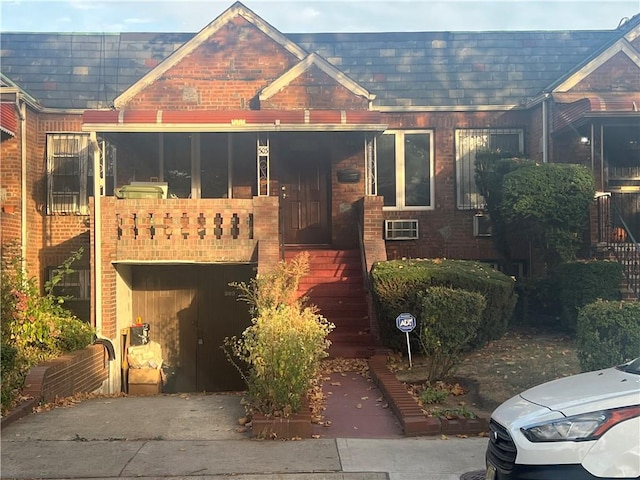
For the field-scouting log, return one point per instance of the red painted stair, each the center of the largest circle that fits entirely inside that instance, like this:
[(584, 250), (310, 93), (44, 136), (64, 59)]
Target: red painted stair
[(335, 284)]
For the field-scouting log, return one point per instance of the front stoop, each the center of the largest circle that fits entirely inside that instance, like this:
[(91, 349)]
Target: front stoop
[(335, 284), (413, 420)]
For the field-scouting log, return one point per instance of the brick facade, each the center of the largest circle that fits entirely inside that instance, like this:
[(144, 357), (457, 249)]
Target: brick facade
[(228, 70)]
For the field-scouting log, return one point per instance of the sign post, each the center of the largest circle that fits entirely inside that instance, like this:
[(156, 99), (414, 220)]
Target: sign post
[(406, 323)]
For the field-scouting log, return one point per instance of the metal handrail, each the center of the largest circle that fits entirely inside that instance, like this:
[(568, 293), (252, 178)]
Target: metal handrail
[(626, 250)]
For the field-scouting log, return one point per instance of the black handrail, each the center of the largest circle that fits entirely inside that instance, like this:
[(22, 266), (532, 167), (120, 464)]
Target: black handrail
[(621, 242)]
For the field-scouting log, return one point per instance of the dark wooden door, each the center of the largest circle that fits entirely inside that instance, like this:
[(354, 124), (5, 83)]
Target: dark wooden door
[(305, 201), (165, 297), (190, 311), (220, 315)]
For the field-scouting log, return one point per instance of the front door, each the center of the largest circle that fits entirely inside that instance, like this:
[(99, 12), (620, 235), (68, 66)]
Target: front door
[(305, 199)]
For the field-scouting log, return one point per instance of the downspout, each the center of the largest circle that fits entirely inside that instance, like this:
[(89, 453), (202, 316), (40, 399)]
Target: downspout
[(545, 129), (97, 232), (602, 156), (22, 112)]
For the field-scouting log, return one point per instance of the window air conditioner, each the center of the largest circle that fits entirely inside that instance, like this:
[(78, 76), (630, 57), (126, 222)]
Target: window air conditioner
[(481, 225), (401, 229)]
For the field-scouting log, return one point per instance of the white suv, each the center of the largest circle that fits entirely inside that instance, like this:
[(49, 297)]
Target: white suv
[(582, 427)]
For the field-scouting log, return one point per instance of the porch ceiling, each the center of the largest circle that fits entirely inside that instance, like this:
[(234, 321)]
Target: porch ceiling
[(231, 120)]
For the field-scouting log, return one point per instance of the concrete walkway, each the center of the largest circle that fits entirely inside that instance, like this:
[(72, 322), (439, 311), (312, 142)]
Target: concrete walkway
[(179, 436)]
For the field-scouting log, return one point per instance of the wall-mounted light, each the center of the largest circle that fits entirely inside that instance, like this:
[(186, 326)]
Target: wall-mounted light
[(585, 141)]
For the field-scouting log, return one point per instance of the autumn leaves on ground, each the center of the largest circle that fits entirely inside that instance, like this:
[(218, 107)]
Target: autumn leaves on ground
[(487, 377)]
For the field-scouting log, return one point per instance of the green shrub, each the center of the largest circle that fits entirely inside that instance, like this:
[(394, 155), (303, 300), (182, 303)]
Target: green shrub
[(396, 285), (34, 327), (582, 282), (608, 334), (433, 395), (538, 302), (549, 204), (449, 320), (283, 348), (279, 354)]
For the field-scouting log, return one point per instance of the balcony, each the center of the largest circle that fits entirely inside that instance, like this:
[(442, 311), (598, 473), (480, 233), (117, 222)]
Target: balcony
[(187, 230)]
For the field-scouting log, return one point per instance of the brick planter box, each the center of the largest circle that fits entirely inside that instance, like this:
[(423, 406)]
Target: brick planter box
[(82, 371), (413, 420), (297, 425)]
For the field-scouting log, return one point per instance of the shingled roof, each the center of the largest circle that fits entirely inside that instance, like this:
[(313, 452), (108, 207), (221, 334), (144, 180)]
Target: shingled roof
[(404, 70)]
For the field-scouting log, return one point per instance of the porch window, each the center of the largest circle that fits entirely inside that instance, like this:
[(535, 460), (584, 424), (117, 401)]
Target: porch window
[(405, 169), (67, 173), (470, 141)]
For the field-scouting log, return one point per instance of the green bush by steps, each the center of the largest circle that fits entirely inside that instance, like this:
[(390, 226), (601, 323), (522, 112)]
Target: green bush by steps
[(397, 284), (449, 320), (582, 282), (608, 334)]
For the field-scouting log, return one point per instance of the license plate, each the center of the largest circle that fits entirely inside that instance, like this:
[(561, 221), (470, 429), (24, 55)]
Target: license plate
[(491, 473)]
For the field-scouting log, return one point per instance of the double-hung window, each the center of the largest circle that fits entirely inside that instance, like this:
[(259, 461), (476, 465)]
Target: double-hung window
[(468, 143), (67, 173), (405, 169)]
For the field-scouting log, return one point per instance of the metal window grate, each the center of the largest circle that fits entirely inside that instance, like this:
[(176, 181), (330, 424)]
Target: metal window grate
[(468, 143)]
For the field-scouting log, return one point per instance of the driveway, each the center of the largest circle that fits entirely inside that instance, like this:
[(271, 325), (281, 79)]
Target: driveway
[(177, 436)]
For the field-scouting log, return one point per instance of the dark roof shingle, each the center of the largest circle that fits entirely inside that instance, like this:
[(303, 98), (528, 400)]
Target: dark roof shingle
[(413, 69)]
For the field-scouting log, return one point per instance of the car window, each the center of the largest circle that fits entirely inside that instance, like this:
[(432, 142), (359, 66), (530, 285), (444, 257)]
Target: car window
[(632, 367)]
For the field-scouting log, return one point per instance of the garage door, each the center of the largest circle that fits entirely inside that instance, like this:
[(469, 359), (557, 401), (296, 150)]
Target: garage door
[(190, 310)]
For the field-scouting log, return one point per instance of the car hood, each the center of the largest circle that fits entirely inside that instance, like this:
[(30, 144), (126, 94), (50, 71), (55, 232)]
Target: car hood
[(591, 391)]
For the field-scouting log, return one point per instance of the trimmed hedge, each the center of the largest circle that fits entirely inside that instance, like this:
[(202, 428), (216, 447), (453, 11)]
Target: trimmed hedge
[(397, 284), (608, 334), (449, 320), (583, 282)]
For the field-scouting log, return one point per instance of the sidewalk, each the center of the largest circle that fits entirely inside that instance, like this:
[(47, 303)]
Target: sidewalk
[(197, 435)]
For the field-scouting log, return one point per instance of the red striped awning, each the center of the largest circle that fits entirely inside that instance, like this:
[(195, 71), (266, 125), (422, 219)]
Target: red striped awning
[(232, 120), (8, 118), (573, 107)]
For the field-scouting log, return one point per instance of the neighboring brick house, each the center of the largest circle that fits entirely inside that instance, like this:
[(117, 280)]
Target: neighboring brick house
[(218, 154)]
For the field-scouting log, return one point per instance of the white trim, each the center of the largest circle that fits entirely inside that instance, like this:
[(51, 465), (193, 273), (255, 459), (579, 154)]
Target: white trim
[(399, 137), (314, 59), (621, 45), (632, 34), (219, 127), (237, 9)]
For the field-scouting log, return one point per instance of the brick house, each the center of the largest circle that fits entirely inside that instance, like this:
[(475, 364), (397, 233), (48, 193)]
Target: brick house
[(182, 162)]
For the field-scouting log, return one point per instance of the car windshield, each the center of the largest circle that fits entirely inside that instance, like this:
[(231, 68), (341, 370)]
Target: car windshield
[(632, 367)]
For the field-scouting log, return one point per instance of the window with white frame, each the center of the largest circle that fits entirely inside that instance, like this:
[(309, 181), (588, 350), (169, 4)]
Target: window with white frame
[(405, 169), (67, 173), (468, 143)]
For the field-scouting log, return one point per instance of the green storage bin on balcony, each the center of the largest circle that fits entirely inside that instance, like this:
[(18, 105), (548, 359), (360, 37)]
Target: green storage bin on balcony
[(139, 191)]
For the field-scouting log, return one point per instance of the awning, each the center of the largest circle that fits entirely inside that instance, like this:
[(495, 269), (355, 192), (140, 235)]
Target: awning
[(8, 120), (575, 108), (231, 120)]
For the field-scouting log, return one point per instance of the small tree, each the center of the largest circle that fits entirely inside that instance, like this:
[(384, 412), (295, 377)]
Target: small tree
[(279, 354), (545, 203), (491, 168)]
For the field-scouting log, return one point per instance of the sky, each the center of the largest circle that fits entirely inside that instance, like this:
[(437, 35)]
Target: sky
[(303, 16)]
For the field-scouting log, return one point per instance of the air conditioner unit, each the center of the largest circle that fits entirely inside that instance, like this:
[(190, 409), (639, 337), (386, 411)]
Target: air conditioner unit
[(481, 225), (401, 230)]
